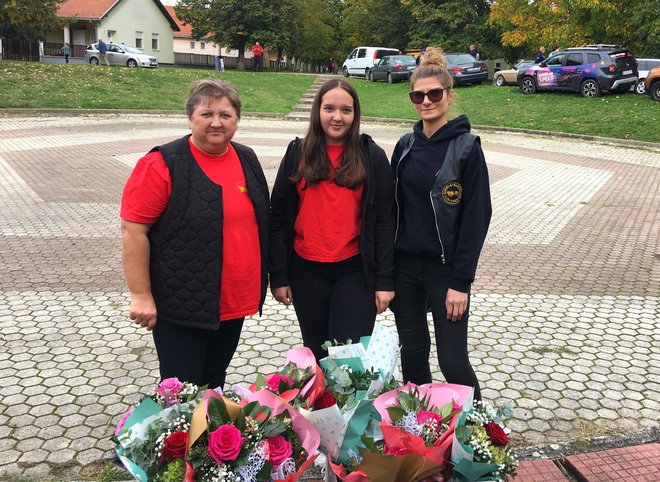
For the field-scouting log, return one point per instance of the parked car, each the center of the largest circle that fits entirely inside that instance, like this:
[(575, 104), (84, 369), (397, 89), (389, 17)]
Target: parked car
[(589, 70), (362, 59), (392, 68), (510, 76), (643, 67), (121, 55), (652, 83), (466, 69)]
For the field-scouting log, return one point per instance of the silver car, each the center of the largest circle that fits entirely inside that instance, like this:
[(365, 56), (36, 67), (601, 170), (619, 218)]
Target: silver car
[(121, 55)]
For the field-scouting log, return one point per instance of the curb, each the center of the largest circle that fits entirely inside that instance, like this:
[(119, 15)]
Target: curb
[(596, 444), (381, 120)]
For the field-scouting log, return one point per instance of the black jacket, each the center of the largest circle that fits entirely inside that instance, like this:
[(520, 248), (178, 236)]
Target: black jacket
[(186, 241), (443, 198), (377, 208)]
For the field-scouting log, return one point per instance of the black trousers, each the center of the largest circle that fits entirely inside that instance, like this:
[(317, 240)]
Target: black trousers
[(330, 302), (420, 282), (196, 355)]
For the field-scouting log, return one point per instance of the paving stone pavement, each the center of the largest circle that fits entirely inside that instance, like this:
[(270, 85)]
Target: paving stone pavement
[(565, 310)]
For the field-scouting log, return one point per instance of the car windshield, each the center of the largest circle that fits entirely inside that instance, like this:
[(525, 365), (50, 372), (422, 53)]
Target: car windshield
[(461, 59), (132, 50)]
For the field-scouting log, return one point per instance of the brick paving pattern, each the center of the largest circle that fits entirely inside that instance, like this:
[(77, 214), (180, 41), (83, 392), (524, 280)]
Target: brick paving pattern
[(564, 312)]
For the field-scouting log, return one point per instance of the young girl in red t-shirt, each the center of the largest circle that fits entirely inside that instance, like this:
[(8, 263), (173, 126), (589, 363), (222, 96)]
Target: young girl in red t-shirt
[(331, 249)]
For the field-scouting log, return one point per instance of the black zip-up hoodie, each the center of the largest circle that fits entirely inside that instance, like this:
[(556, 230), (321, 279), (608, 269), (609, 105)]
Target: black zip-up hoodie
[(417, 233), (377, 208)]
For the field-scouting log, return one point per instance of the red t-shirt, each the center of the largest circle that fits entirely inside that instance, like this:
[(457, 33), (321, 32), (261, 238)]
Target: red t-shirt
[(328, 224), (257, 50), (147, 193)]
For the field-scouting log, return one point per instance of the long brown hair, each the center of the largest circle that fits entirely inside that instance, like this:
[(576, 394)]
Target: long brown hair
[(314, 165)]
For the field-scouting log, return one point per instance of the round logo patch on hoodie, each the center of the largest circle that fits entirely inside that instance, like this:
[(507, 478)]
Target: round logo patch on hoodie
[(452, 192)]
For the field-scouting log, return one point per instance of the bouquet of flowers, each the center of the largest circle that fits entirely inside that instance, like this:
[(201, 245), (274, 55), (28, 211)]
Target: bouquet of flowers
[(263, 440), (151, 439), (417, 428), (481, 450), (300, 382), (355, 375)]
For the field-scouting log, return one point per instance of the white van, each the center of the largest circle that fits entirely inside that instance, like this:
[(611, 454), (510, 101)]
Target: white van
[(363, 58)]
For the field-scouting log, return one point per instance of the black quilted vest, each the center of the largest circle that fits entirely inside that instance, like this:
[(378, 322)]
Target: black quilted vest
[(186, 241)]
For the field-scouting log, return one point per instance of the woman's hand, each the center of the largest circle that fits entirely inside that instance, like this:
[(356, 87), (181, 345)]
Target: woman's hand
[(143, 311), (456, 304), (383, 299), (283, 294)]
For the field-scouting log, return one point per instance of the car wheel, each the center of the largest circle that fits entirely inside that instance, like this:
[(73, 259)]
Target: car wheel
[(345, 70), (131, 64), (640, 88), (370, 76), (590, 88), (499, 81), (655, 91), (528, 86), (389, 78), (94, 60)]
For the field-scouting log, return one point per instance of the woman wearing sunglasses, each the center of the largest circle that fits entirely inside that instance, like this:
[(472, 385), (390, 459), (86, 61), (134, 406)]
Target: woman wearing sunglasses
[(332, 224), (443, 212)]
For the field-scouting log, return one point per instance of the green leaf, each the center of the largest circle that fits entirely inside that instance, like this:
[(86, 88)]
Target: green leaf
[(218, 413)]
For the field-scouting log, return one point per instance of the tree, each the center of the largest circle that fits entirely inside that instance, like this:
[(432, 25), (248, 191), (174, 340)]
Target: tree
[(383, 23), (317, 42), (28, 19), (570, 23), (229, 23), (284, 26), (452, 25)]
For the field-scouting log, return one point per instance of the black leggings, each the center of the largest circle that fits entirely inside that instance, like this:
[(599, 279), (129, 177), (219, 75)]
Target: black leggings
[(330, 302), (419, 281), (196, 355)]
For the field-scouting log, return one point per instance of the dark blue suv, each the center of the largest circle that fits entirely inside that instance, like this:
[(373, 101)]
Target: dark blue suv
[(589, 70)]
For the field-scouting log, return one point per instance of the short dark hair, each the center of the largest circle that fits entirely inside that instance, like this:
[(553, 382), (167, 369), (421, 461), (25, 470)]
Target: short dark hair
[(206, 89)]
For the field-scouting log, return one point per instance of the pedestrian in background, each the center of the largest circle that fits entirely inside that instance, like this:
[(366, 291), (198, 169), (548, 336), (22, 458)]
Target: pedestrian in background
[(194, 223), (540, 56), (474, 52), (443, 213), (103, 52), (257, 52), (332, 224), (66, 51)]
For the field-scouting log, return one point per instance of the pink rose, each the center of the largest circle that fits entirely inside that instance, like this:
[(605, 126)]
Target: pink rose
[(225, 443), (170, 387), (423, 416), (122, 422), (279, 450), (273, 382)]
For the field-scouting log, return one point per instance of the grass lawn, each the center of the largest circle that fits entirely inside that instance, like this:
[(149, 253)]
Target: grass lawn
[(38, 85)]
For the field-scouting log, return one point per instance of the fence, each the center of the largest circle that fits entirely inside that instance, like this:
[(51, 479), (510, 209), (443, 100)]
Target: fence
[(13, 49), (55, 50)]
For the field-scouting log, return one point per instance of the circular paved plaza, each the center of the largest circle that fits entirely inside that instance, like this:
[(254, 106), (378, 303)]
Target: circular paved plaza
[(565, 310)]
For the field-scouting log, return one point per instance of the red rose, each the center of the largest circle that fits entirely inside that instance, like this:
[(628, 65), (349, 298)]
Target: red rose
[(326, 400), (225, 443), (278, 450), (496, 434), (175, 445)]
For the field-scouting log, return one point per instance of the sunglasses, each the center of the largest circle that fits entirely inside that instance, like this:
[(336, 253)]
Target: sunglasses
[(434, 95)]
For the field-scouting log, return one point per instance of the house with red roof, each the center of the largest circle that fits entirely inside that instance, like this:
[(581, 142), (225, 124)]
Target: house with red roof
[(145, 24), (191, 51)]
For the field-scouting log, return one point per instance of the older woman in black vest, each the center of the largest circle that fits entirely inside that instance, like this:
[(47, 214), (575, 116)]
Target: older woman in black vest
[(194, 221)]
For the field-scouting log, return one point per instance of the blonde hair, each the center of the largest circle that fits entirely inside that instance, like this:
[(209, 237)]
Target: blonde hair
[(433, 64)]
